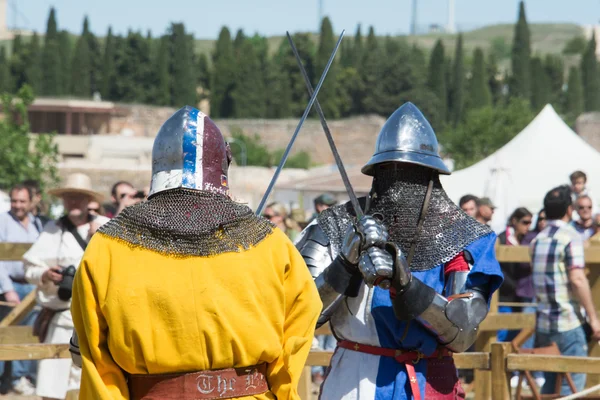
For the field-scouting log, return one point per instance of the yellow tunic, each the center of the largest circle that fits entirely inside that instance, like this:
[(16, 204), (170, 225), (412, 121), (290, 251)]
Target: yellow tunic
[(146, 313)]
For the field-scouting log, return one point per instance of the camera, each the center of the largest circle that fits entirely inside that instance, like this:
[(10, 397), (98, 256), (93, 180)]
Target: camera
[(65, 286)]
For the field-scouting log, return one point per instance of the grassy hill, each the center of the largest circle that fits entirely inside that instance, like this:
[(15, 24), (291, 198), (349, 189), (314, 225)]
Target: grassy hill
[(545, 38)]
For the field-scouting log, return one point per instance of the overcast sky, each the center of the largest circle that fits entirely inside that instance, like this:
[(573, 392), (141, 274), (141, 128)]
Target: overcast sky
[(273, 17)]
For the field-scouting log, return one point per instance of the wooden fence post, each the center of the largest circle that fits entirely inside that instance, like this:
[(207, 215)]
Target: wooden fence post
[(483, 379), (305, 385), (500, 377)]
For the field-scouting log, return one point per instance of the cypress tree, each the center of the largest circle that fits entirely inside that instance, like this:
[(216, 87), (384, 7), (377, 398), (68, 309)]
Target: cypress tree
[(554, 68), (33, 71), (436, 78), (279, 92), (589, 75), (81, 67), (328, 92), (133, 69), (346, 54), (108, 64), (370, 73), (494, 83), (65, 51), (238, 42), (183, 89), (479, 90), (521, 57), (18, 63), (96, 60), (249, 93), (289, 67), (5, 79), (357, 49), (203, 71), (457, 96), (574, 95), (51, 60), (223, 80), (540, 85), (163, 84)]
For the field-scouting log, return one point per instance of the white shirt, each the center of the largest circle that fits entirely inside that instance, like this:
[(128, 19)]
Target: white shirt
[(54, 247)]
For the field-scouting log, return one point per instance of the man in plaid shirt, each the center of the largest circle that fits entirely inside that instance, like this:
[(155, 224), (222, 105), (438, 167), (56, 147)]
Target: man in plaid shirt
[(561, 287)]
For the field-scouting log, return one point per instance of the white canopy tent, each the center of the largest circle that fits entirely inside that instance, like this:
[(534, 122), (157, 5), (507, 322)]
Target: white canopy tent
[(519, 174)]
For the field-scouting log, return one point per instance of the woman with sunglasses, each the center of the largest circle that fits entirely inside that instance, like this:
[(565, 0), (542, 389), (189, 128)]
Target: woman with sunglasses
[(514, 273)]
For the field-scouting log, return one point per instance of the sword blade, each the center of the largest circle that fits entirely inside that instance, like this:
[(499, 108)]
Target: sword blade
[(336, 155), (261, 206)]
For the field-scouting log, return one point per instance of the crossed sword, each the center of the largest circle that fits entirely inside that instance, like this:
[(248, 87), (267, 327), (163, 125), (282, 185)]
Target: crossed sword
[(313, 101)]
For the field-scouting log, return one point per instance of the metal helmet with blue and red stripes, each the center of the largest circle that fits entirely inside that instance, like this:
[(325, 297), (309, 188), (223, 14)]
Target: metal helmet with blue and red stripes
[(190, 152)]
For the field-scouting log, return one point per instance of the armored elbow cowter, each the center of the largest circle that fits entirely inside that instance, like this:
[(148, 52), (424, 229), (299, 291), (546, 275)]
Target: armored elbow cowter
[(74, 350), (335, 277), (453, 318)]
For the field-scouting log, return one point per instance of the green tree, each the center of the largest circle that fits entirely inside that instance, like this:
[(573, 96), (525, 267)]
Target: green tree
[(133, 69), (256, 152), (203, 71), (21, 159), (81, 67), (485, 130), (370, 73), (65, 47), (590, 77), (521, 57), (357, 49), (223, 80), (5, 78), (575, 45), (479, 90), (249, 93), (33, 70), (436, 78), (183, 90), (289, 67), (540, 85), (555, 71), (328, 93), (18, 63), (494, 82), (163, 82), (457, 92), (108, 64), (96, 59), (51, 59), (574, 96), (279, 92)]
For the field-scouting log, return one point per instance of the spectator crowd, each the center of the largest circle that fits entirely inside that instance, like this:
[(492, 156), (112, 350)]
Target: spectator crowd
[(553, 285), (48, 268)]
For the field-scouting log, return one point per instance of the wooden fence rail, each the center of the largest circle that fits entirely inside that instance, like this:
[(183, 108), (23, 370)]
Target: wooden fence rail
[(495, 321)]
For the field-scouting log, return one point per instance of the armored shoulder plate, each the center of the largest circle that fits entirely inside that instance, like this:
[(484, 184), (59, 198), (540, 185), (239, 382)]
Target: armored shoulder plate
[(314, 247)]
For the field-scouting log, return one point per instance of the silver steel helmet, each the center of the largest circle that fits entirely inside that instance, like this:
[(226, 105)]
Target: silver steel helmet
[(190, 152), (407, 137)]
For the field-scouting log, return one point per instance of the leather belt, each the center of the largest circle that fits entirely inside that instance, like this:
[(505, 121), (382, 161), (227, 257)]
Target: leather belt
[(407, 357), (200, 385)]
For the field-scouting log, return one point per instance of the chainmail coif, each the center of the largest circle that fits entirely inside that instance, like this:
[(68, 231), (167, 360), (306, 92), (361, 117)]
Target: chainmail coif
[(184, 222), (398, 196)]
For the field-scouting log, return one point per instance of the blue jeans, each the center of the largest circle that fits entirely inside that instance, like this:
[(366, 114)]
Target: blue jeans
[(570, 343), (21, 368)]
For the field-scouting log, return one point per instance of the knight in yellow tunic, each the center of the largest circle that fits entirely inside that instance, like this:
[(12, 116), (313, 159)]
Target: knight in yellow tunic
[(189, 295)]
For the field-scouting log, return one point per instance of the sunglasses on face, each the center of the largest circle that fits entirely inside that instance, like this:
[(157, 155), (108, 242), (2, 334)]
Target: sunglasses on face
[(94, 210), (269, 216), (585, 207), (526, 222)]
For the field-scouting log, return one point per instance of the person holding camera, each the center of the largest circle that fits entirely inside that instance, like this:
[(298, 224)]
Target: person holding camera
[(51, 264)]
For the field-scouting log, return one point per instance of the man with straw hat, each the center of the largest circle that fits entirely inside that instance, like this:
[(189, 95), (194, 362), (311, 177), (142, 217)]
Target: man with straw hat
[(189, 295), (50, 264)]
